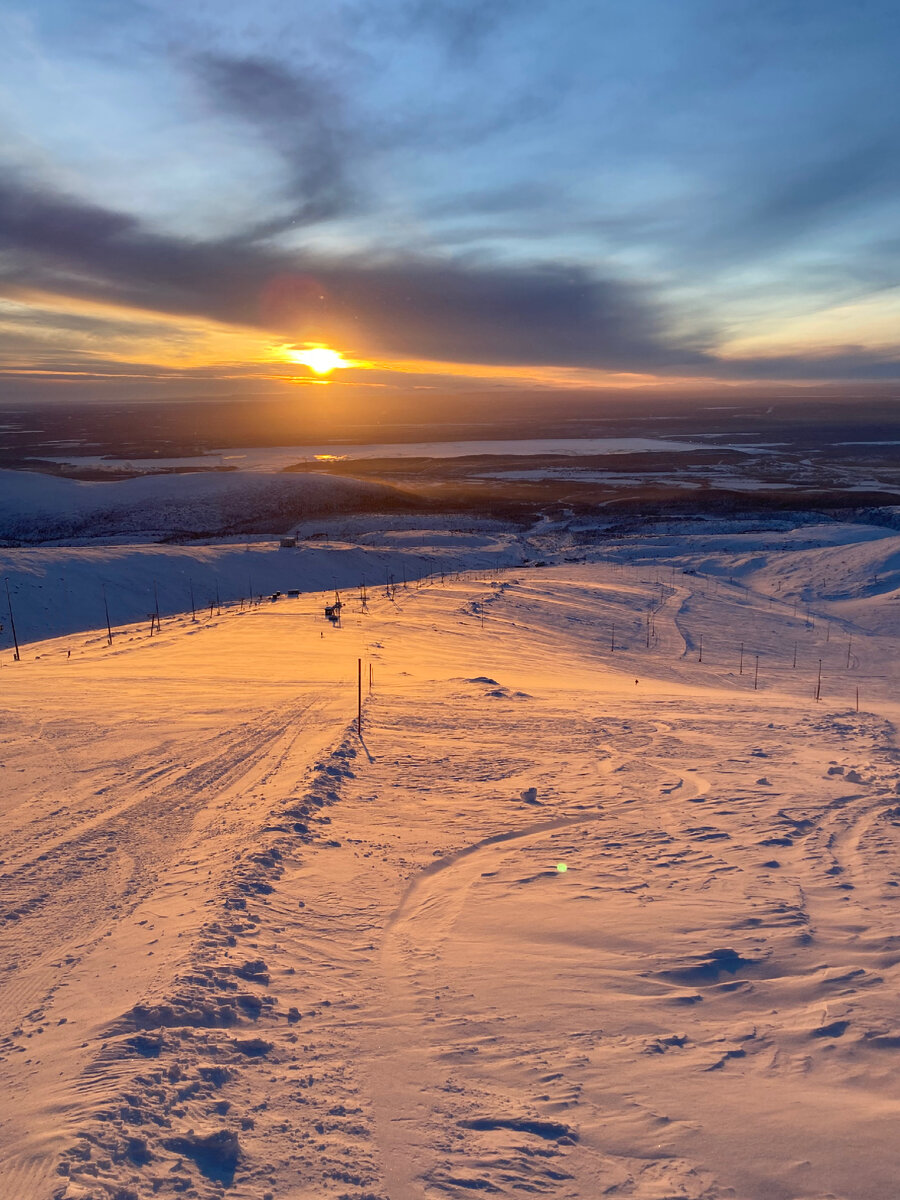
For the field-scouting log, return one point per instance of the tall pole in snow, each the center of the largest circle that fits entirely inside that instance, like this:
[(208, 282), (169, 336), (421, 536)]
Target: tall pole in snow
[(756, 676), (106, 610), (193, 607), (12, 623), (741, 669), (359, 698), (819, 681)]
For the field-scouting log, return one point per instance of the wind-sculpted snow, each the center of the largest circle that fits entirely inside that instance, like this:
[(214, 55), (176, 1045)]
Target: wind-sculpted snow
[(578, 915)]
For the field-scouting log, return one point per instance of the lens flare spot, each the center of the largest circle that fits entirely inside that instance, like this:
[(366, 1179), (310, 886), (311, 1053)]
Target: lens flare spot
[(561, 867)]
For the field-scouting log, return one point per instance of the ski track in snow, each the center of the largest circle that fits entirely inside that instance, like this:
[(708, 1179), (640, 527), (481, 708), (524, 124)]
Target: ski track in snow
[(247, 954)]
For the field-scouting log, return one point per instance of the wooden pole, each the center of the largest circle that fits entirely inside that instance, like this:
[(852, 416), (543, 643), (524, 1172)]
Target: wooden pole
[(756, 676), (700, 659), (795, 655), (359, 698), (612, 639), (106, 610), (819, 681), (857, 699), (741, 669), (156, 604), (193, 607), (370, 677), (849, 644), (12, 624)]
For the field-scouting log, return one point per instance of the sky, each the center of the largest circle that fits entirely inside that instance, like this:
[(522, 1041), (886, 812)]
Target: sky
[(497, 193)]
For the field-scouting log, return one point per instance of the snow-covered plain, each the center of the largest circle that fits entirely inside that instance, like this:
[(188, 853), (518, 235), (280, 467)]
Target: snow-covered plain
[(593, 908)]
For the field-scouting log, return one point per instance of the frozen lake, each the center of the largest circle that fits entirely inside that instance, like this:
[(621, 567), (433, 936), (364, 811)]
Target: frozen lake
[(276, 458)]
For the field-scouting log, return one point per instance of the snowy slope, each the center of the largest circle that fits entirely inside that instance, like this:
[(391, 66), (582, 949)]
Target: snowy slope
[(844, 571), (38, 508), (57, 590), (245, 952)]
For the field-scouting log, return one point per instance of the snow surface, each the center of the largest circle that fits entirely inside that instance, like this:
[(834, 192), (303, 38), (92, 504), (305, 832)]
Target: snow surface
[(246, 953), (40, 508), (61, 589)]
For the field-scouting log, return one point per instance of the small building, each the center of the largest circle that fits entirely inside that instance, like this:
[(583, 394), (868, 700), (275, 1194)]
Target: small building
[(288, 543)]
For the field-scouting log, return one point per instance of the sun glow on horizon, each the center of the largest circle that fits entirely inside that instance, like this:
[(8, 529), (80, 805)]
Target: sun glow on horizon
[(320, 359)]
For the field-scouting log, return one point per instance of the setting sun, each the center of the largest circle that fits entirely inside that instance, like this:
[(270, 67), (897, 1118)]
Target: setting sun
[(320, 359)]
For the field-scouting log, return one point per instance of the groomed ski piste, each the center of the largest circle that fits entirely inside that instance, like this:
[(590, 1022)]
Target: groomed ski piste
[(597, 904)]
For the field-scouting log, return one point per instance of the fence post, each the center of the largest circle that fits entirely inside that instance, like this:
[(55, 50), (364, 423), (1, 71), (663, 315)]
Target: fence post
[(12, 624), (106, 610)]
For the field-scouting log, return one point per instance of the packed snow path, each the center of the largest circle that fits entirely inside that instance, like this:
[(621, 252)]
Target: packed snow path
[(580, 914)]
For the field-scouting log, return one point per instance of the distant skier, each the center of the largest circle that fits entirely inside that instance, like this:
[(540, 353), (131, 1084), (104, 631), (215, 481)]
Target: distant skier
[(635, 683)]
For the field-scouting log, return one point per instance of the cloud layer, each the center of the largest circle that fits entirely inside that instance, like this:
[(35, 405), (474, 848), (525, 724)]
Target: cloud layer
[(641, 188)]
